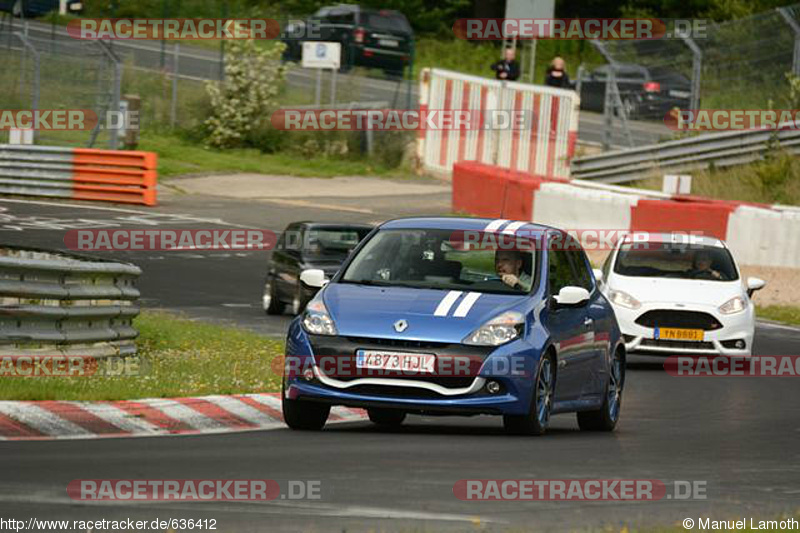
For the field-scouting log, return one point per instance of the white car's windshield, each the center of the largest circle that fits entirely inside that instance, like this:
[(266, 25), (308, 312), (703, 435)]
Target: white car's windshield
[(442, 259), (666, 260)]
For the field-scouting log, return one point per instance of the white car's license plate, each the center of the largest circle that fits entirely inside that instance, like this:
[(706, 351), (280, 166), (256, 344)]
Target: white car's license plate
[(388, 42), (402, 362)]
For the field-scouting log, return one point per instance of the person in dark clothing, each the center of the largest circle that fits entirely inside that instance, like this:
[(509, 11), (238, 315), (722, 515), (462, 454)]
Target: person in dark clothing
[(557, 75), (507, 69)]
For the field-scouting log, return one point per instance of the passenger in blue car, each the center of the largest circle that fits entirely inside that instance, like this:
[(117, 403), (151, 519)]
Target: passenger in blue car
[(508, 265)]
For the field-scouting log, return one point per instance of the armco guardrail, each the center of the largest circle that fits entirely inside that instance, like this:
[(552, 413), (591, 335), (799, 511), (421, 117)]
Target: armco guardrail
[(722, 149), (79, 173), (59, 304)]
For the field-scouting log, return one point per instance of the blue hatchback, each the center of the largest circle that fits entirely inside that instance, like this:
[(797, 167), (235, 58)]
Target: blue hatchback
[(457, 316)]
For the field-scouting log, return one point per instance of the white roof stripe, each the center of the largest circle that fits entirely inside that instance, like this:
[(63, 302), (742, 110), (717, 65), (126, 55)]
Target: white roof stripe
[(512, 228), (447, 302), (466, 304), (495, 225)]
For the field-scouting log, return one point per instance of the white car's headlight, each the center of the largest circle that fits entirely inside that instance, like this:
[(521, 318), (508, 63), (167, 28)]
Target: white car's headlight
[(499, 330), (316, 319), (734, 305), (624, 299)]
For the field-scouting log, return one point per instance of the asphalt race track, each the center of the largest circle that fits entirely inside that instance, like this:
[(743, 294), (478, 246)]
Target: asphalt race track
[(738, 435)]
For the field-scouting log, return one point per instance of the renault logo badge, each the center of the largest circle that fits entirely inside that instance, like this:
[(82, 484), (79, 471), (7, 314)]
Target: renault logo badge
[(400, 326)]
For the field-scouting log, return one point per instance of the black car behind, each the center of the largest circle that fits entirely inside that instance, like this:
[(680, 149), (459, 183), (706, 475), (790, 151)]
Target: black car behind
[(370, 38), (646, 92), (302, 246)]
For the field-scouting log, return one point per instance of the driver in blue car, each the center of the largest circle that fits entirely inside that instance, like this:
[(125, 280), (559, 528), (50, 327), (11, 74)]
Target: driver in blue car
[(508, 265)]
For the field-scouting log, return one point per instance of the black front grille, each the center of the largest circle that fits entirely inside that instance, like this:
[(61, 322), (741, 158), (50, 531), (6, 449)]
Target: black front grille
[(391, 391), (664, 318), (397, 343), (686, 345), (449, 382)]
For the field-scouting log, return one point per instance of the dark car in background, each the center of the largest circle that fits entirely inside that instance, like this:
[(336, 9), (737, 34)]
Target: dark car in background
[(372, 38), (646, 92), (303, 246), (37, 8)]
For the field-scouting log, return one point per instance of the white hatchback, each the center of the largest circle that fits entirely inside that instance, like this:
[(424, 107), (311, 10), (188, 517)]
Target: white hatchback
[(679, 293)]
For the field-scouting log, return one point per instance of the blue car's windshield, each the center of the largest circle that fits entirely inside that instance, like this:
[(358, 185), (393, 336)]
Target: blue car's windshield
[(445, 259)]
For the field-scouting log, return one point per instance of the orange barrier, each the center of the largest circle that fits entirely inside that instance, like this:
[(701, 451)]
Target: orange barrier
[(494, 192), (710, 217), (114, 176)]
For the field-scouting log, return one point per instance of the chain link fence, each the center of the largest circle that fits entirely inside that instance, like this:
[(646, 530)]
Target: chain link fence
[(740, 64), (45, 68), (47, 74)]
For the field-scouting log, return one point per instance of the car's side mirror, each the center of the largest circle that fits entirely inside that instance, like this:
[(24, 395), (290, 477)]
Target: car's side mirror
[(314, 277), (571, 296), (598, 275), (754, 284)]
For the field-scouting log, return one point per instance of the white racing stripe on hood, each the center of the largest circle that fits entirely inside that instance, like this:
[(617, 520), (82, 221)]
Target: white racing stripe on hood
[(446, 303), (495, 225), (466, 304)]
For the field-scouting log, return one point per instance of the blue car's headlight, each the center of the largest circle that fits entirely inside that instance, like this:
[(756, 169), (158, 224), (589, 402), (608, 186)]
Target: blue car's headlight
[(499, 330), (316, 319)]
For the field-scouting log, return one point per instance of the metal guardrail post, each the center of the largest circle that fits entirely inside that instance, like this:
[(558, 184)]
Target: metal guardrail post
[(612, 99), (787, 16), (173, 111), (36, 69), (608, 110), (113, 142), (697, 69)]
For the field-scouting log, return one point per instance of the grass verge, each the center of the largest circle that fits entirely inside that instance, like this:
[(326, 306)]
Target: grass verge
[(787, 314), (179, 357), (178, 155)]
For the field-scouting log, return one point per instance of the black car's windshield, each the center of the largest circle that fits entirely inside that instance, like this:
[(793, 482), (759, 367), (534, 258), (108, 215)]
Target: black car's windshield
[(443, 259), (668, 260), (332, 243)]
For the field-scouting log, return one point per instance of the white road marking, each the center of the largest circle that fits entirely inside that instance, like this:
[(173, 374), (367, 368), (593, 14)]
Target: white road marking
[(243, 411), (185, 414), (275, 507), (346, 413), (119, 418), (447, 302), (466, 304), (40, 419), (273, 402)]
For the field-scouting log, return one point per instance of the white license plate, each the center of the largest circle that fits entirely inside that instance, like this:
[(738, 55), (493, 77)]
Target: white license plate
[(680, 94), (402, 362), (388, 42)]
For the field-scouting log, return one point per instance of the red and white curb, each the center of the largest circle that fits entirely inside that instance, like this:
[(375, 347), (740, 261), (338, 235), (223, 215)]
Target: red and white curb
[(51, 420)]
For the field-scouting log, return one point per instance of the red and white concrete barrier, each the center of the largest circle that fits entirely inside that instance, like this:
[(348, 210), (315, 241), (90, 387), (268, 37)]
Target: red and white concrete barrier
[(757, 234), (544, 146)]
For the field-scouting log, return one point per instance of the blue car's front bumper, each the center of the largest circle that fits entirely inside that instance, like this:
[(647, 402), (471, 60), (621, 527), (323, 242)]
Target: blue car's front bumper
[(510, 365)]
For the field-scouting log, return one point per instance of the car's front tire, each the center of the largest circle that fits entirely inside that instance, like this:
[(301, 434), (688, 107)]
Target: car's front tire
[(538, 417), (386, 417), (305, 415), (606, 418)]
